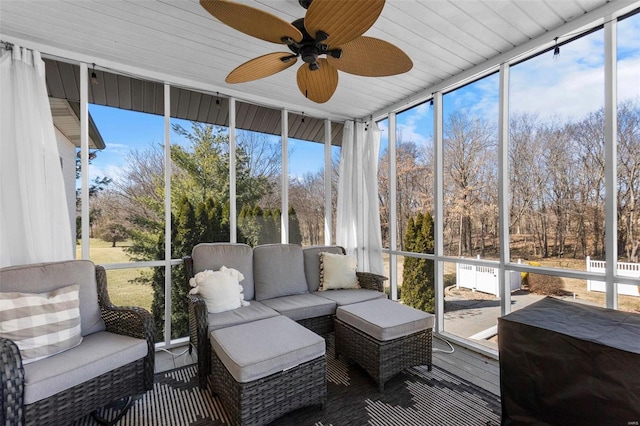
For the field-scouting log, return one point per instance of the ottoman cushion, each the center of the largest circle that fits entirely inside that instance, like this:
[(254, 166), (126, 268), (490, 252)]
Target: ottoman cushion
[(258, 349), (385, 319)]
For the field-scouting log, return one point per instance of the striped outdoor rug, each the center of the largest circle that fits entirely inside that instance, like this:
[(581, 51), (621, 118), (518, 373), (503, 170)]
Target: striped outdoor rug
[(414, 397)]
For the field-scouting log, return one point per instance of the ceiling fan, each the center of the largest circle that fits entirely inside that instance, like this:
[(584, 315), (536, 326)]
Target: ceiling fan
[(329, 38)]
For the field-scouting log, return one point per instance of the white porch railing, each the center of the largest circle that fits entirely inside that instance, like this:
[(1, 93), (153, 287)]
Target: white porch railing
[(624, 270), (483, 278)]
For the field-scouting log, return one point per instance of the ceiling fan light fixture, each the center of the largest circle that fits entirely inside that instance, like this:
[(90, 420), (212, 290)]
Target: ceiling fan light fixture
[(309, 54)]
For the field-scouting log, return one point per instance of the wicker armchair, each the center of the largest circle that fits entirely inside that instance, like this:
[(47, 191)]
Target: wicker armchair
[(81, 399)]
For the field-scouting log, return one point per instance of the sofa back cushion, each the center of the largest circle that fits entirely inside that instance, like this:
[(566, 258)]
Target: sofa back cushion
[(238, 256), (46, 277), (312, 263), (278, 271)]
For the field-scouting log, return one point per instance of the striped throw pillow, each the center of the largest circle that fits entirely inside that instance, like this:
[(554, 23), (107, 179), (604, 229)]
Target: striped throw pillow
[(41, 324)]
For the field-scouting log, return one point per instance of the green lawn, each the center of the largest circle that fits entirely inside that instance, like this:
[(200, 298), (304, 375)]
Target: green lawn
[(122, 290)]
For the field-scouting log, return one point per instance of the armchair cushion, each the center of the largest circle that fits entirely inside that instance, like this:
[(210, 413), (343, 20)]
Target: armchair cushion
[(97, 354), (41, 324)]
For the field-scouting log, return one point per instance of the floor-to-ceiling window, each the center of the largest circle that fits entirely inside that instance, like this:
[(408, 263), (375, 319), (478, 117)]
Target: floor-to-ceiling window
[(470, 209), (258, 178), (306, 183), (555, 209), (412, 186), (126, 197), (628, 160)]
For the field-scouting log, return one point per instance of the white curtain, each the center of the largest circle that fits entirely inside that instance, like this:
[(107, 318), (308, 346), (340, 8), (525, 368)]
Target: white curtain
[(34, 220), (358, 217)]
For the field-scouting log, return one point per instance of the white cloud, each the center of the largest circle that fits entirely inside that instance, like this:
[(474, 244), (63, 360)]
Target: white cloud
[(116, 148), (111, 171), (411, 124), (567, 86)]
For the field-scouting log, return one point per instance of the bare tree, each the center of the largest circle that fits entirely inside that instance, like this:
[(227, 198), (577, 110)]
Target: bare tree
[(629, 179), (306, 195), (140, 189), (587, 215), (414, 185), (470, 167)]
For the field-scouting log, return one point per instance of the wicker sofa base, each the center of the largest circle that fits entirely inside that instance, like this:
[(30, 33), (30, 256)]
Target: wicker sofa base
[(67, 406), (263, 400), (319, 325), (383, 360)]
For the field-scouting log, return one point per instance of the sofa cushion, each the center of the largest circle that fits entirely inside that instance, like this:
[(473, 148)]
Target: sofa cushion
[(261, 348), (219, 289), (312, 263), (98, 354), (41, 324), (337, 271), (244, 314), (44, 277), (302, 306), (385, 319), (350, 296), (278, 271), (214, 256)]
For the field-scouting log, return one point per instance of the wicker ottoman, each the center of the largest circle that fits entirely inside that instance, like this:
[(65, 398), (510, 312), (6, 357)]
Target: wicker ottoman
[(384, 337), (264, 369)]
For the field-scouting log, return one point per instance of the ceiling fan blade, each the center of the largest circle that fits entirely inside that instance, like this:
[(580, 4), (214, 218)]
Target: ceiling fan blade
[(319, 85), (343, 20), (371, 57), (260, 67), (251, 21)]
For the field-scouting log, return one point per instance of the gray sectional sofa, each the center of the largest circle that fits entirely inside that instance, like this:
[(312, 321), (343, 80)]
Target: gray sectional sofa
[(279, 279)]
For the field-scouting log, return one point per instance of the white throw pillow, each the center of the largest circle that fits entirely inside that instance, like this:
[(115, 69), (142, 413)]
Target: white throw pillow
[(220, 290), (337, 271), (41, 324)]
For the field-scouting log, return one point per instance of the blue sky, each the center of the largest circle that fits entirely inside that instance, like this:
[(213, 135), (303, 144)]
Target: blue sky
[(124, 130), (568, 86), (563, 87)]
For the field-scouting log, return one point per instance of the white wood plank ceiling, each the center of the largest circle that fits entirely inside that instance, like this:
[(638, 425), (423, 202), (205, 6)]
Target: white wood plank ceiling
[(179, 42)]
